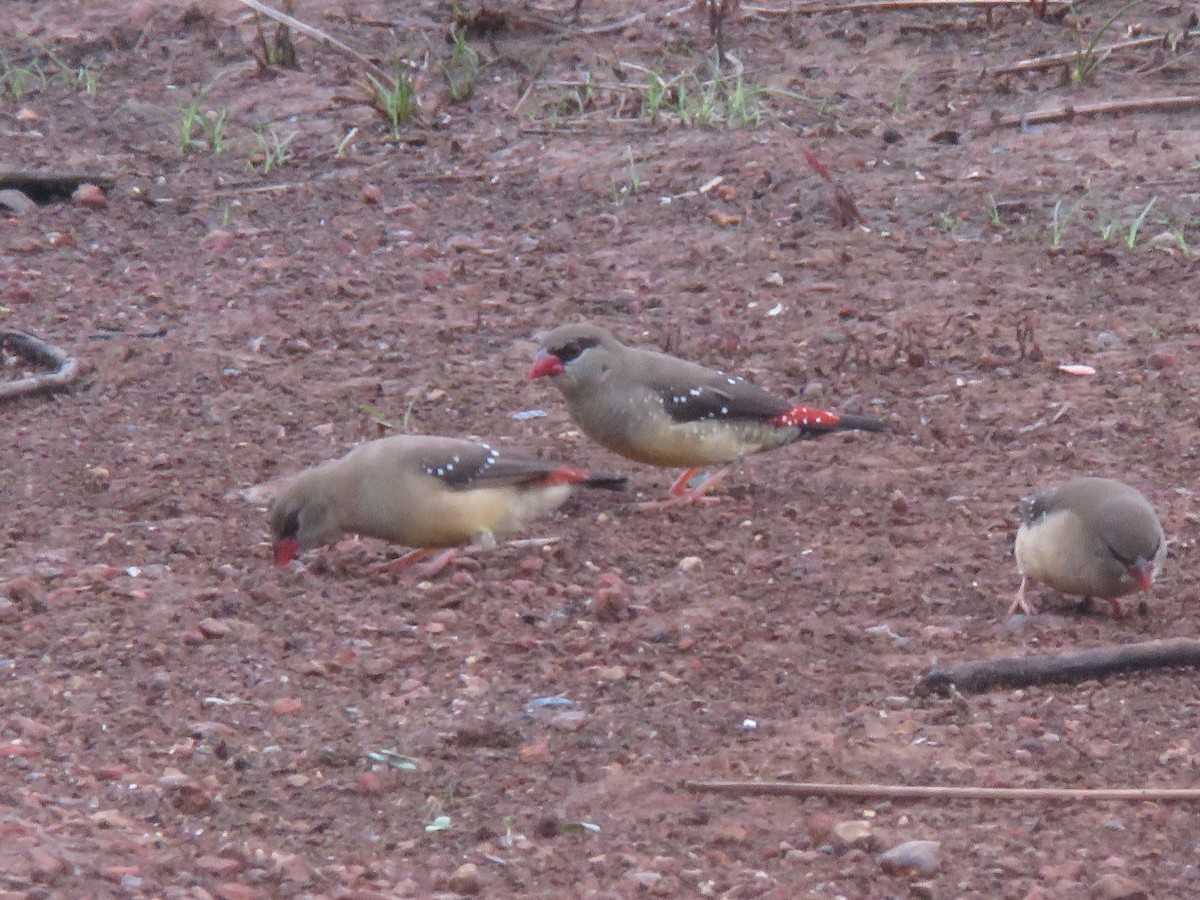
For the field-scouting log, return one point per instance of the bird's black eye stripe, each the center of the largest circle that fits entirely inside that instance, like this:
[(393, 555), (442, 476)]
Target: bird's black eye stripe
[(1119, 558), (289, 524), (572, 349), (568, 352)]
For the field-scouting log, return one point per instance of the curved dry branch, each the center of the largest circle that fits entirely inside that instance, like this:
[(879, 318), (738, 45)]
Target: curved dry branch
[(65, 373), (1073, 666)]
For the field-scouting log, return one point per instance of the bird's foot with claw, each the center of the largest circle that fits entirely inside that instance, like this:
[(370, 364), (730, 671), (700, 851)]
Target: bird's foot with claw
[(684, 493), (412, 562), (1021, 605)]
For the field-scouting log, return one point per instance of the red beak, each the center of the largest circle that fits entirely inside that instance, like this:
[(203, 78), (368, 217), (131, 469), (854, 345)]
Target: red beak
[(1142, 572), (285, 551), (546, 364)]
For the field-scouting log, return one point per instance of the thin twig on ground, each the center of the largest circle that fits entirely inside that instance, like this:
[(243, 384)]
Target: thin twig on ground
[(1051, 60), (1077, 665), (318, 35), (1107, 108), (64, 374), (881, 5), (607, 27), (940, 792), (845, 210)]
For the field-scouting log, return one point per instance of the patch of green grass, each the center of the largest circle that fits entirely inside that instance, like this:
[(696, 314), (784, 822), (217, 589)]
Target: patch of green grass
[(950, 222), (1058, 222), (900, 94), (743, 104), (1088, 59), (655, 95), (1107, 227), (199, 127), (719, 101), (340, 144), (395, 100), (993, 212), (81, 77), (212, 123), (188, 124), (731, 101), (1180, 239), (1136, 225), (273, 151), (17, 79), (582, 95), (462, 69)]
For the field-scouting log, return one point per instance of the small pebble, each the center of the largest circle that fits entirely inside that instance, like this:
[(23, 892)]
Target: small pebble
[(465, 880), (571, 720), (1162, 359), (853, 833), (645, 879), (285, 706), (1113, 886), (90, 197), (915, 857), (214, 629), (17, 202)]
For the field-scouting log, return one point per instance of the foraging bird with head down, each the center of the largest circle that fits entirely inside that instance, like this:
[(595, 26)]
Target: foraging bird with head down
[(658, 409), (423, 492), (1090, 537)]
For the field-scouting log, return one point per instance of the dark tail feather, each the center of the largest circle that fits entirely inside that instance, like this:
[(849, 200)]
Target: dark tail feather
[(859, 423), (607, 482)]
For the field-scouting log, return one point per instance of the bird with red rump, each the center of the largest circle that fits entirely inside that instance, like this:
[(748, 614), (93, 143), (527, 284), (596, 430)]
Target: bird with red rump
[(430, 493), (664, 411)]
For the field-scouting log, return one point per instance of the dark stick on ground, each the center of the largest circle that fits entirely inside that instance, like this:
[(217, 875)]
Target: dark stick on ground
[(63, 375), (47, 187), (1079, 665)]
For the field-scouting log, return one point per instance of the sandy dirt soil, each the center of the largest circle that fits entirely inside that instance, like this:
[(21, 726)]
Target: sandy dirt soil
[(180, 718)]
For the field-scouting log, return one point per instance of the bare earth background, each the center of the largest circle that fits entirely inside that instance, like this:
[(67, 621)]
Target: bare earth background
[(178, 718)]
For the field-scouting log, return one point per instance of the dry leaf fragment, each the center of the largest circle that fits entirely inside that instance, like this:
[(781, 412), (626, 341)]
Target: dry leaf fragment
[(1076, 369)]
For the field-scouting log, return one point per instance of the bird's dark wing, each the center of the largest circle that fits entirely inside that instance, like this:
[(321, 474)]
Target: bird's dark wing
[(464, 465), (692, 393)]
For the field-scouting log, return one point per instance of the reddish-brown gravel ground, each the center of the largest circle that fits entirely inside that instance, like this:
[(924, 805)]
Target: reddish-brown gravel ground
[(179, 718)]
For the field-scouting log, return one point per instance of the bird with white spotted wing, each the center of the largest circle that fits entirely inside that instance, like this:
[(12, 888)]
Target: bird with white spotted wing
[(658, 409), (421, 491)]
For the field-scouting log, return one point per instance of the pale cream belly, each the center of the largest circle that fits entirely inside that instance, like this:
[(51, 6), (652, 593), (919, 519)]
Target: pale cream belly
[(1056, 552), (693, 443)]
